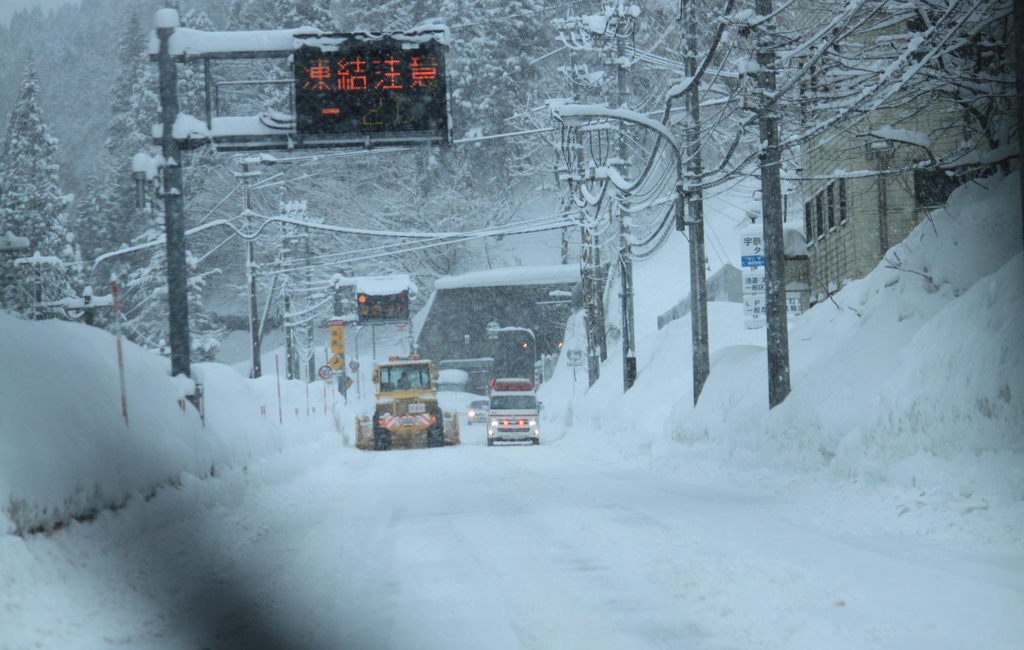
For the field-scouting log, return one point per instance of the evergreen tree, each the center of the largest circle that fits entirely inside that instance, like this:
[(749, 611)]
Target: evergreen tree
[(32, 206), (281, 14), (146, 311)]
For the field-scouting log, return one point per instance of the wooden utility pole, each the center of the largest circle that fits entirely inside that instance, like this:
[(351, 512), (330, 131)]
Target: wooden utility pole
[(311, 361), (695, 203), (625, 250), (771, 211), (1018, 21), (250, 273), (289, 336)]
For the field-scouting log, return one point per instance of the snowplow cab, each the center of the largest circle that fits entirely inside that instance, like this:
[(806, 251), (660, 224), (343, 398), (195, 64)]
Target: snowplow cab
[(406, 412)]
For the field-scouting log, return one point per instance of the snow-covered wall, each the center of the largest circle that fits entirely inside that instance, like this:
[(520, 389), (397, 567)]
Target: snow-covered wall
[(914, 376), (65, 449)]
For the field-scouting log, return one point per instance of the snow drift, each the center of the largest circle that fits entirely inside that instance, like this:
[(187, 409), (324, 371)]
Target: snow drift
[(65, 449), (913, 375)]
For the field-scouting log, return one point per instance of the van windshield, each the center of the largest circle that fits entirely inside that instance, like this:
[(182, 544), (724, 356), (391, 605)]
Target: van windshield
[(504, 402)]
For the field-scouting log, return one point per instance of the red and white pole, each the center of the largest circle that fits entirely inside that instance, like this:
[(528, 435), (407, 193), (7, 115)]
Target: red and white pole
[(120, 351)]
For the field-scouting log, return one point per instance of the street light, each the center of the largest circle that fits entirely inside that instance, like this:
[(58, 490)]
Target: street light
[(576, 115), (492, 335)]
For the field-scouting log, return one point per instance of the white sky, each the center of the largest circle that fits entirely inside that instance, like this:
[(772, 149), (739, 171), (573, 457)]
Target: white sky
[(9, 7)]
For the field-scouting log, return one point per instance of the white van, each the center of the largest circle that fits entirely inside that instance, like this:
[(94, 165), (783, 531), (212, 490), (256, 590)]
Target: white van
[(514, 412)]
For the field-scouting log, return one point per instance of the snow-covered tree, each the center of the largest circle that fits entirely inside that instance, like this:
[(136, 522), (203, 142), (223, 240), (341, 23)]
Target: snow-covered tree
[(281, 14), (146, 309), (33, 206)]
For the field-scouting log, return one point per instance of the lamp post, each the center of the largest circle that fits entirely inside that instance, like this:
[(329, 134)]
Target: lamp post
[(577, 115), (493, 329)]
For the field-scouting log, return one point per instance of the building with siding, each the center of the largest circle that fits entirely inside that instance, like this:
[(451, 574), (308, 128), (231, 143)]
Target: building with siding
[(864, 187)]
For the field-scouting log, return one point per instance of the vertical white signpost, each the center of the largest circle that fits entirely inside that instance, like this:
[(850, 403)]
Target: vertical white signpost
[(752, 261)]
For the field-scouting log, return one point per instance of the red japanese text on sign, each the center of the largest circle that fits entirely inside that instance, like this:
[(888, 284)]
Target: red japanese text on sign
[(390, 76), (424, 71), (352, 74), (319, 73)]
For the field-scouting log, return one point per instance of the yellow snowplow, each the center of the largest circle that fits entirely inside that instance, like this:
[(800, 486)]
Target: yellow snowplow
[(406, 414)]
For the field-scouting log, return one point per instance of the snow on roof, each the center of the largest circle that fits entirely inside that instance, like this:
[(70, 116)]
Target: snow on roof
[(903, 135), (194, 43), (452, 376), (516, 275), (377, 285), (187, 127)]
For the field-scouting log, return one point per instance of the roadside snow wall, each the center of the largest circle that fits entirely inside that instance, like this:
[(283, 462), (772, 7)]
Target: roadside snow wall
[(65, 449), (913, 376)]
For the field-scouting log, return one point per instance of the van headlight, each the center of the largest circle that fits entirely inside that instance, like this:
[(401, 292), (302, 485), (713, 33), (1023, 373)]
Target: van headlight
[(471, 413), (494, 423), (533, 423)]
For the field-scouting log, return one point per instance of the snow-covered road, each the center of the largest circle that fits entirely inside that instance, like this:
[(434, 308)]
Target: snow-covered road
[(507, 547)]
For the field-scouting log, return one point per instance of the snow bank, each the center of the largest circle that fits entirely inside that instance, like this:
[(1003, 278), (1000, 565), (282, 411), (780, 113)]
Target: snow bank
[(65, 449), (913, 377)]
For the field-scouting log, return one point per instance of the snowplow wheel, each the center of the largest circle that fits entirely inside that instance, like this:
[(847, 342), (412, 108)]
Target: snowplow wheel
[(435, 432), (381, 436)]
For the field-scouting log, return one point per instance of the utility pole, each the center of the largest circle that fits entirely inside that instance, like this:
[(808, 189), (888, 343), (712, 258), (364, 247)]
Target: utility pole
[(625, 250), (174, 200), (695, 200), (593, 300), (1018, 49), (771, 210), (311, 362), (289, 334), (250, 273)]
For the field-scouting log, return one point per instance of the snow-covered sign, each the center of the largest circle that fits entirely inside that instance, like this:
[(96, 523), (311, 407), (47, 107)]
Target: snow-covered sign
[(754, 313), (371, 86), (383, 285), (752, 247), (383, 299), (354, 89), (753, 282), (794, 305)]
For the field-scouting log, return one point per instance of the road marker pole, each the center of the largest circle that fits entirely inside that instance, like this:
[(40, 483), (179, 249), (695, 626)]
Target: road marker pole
[(120, 352), (277, 369)]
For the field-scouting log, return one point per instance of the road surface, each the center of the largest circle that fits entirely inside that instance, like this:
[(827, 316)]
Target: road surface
[(508, 547)]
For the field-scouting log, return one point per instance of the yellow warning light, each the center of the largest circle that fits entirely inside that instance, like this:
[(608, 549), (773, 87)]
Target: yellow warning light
[(526, 345)]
